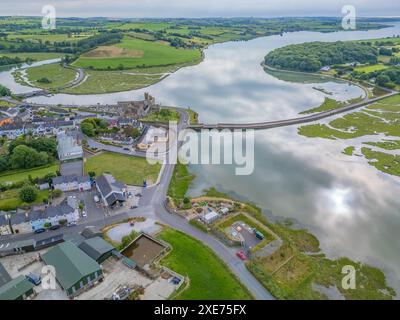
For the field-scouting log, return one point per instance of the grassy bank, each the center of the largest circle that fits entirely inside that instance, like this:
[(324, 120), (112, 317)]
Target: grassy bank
[(56, 75), (10, 200), (180, 182), (209, 277), (128, 169), (21, 175)]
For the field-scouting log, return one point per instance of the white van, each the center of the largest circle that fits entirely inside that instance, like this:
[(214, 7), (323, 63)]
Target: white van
[(96, 199)]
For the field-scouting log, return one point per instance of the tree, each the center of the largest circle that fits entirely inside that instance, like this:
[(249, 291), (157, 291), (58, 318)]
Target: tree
[(3, 164), (4, 91), (25, 157), (92, 174), (57, 193), (28, 193), (88, 129), (382, 79)]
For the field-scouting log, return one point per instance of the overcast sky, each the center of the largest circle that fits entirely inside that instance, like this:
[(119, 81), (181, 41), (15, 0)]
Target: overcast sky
[(200, 8)]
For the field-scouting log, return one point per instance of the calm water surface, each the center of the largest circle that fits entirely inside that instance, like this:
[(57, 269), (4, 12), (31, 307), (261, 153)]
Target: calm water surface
[(352, 208)]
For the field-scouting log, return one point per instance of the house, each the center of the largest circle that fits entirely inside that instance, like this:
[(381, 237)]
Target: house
[(5, 120), (72, 182), (112, 192), (23, 116), (21, 221), (66, 211), (68, 147), (97, 248), (210, 217), (16, 289), (75, 270), (12, 130)]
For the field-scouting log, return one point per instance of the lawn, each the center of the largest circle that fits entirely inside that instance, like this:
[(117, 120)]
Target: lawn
[(9, 199), (209, 277), (21, 175), (129, 169), (137, 53), (58, 75), (36, 56)]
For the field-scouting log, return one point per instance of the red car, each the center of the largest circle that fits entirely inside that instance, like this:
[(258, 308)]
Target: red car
[(241, 255)]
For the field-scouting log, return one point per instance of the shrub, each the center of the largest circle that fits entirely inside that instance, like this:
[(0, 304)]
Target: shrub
[(28, 193)]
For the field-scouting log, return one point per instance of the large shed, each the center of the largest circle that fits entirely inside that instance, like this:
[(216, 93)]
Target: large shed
[(97, 248), (75, 270), (17, 289)]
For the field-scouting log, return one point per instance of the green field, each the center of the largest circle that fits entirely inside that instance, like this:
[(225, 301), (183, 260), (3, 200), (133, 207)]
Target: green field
[(113, 81), (209, 277), (180, 182), (55, 73), (128, 169), (47, 37), (36, 56), (9, 199), (165, 115), (21, 175), (143, 54), (370, 68)]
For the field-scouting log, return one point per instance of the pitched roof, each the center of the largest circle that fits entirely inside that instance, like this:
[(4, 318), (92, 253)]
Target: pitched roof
[(71, 263), (107, 183), (95, 247), (70, 178), (15, 288)]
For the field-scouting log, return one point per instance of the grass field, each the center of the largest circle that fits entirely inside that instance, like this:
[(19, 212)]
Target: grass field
[(165, 115), (180, 182), (36, 56), (133, 52), (47, 37), (371, 68), (58, 75), (9, 199), (21, 175), (113, 81), (128, 169), (209, 277)]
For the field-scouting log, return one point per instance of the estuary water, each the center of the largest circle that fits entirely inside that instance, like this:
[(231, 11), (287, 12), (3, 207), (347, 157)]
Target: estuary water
[(353, 208)]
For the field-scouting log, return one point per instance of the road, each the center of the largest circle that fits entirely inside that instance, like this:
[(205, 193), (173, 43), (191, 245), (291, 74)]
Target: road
[(289, 122), (152, 204)]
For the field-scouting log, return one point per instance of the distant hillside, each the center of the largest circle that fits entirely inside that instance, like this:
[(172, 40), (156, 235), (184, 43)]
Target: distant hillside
[(310, 57)]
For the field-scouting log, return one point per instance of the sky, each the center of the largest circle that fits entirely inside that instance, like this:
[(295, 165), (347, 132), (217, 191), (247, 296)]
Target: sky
[(199, 8)]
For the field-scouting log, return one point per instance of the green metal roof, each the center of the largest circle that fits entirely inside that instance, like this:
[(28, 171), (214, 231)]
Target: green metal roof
[(96, 247), (15, 288), (71, 263)]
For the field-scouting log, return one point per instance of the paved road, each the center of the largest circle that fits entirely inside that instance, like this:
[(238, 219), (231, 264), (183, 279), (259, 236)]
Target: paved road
[(289, 122)]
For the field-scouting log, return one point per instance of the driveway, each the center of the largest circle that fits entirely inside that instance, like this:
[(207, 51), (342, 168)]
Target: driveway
[(70, 168)]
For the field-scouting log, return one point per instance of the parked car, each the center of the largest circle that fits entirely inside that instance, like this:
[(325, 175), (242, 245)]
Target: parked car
[(71, 224), (138, 194), (40, 230), (84, 214), (241, 255), (55, 227), (34, 278), (126, 148), (134, 207), (96, 199)]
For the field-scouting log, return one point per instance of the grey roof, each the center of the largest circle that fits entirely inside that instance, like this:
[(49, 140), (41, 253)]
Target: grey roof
[(15, 288), (3, 220), (114, 197), (107, 184), (4, 276), (61, 209), (71, 263), (70, 178), (91, 232), (20, 217), (96, 247)]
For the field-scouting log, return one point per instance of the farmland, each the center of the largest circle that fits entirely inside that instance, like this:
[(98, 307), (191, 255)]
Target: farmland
[(131, 53)]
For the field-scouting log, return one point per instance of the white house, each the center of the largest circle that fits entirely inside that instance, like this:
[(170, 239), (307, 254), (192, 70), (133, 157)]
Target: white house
[(72, 182), (210, 217)]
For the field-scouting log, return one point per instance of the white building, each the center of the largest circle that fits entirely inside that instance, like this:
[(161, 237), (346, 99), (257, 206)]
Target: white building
[(72, 182), (210, 217), (68, 147)]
